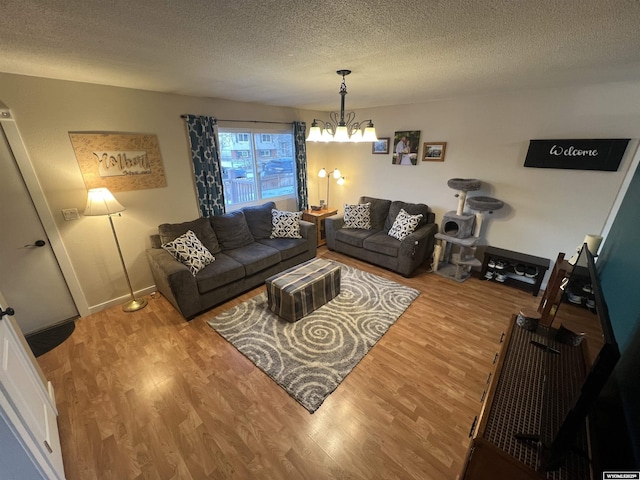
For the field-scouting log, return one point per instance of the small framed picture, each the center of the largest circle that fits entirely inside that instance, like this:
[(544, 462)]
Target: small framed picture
[(381, 147), (434, 151)]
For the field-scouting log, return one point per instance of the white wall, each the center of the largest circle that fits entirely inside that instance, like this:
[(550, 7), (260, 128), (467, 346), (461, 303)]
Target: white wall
[(546, 211)]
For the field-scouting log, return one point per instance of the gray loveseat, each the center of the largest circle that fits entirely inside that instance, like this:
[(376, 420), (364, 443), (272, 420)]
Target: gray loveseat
[(244, 257), (376, 246)]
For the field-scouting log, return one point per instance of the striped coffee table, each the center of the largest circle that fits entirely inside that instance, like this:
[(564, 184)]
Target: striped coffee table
[(298, 291)]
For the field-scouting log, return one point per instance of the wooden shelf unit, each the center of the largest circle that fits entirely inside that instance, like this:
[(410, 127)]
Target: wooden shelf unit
[(512, 259)]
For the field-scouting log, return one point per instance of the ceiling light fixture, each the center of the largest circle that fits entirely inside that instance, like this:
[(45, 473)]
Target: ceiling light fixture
[(339, 128)]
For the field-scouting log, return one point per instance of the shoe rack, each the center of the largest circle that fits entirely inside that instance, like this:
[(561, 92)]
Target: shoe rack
[(514, 269)]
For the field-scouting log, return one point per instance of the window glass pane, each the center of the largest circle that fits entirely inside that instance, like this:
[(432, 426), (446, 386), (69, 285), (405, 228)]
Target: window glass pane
[(256, 165), (275, 164)]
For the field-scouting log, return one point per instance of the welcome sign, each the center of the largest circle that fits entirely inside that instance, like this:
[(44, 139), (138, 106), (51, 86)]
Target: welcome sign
[(598, 154)]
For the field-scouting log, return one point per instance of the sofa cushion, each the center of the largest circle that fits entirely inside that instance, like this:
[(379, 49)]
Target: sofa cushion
[(190, 251), (357, 216), (259, 220), (410, 208), (255, 257), (219, 273), (382, 243), (232, 230), (353, 236), (201, 227), (285, 224), (379, 211), (404, 225), (288, 247)]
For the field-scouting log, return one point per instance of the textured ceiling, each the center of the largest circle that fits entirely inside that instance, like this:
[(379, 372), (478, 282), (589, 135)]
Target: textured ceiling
[(286, 52)]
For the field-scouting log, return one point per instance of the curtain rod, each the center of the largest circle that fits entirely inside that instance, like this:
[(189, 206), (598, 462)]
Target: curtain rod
[(246, 121)]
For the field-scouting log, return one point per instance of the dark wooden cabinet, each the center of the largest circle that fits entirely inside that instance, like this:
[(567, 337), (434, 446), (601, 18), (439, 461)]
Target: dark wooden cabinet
[(518, 402)]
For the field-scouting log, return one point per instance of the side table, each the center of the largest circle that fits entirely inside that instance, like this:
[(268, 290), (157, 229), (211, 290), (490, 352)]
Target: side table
[(317, 217)]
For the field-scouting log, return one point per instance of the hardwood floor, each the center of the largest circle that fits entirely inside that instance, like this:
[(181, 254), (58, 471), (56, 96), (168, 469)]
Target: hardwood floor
[(148, 395)]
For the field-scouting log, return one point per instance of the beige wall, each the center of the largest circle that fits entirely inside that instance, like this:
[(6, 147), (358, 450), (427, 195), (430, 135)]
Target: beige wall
[(546, 210), (46, 110)]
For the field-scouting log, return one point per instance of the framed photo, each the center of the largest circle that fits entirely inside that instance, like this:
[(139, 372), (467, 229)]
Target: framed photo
[(405, 147), (381, 147), (434, 151)]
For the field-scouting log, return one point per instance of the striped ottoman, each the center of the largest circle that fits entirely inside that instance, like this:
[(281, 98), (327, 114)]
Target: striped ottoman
[(300, 290)]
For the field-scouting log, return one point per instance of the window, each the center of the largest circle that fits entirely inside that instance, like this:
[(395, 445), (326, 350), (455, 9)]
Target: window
[(256, 165)]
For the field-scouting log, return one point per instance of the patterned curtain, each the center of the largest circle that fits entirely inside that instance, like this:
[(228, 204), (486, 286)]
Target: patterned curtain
[(299, 130), (206, 164)]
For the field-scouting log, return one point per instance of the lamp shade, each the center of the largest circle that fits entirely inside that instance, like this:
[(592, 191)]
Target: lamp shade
[(370, 134), (100, 201), (322, 173), (314, 133), (342, 134)]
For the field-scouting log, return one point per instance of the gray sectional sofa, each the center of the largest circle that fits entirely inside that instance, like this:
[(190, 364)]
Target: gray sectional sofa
[(244, 257), (375, 246)]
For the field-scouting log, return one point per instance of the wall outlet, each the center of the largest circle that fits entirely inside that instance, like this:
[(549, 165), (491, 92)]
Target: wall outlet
[(70, 214)]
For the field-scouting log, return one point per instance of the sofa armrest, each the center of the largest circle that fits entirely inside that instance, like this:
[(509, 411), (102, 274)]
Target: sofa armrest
[(174, 280), (416, 248), (309, 232), (331, 226)]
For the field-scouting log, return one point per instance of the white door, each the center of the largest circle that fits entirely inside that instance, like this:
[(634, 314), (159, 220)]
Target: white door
[(30, 277), (28, 416)]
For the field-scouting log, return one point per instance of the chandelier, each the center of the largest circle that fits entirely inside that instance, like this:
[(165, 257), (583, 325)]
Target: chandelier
[(342, 127)]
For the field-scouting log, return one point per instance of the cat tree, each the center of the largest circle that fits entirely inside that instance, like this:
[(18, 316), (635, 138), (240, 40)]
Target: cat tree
[(463, 230)]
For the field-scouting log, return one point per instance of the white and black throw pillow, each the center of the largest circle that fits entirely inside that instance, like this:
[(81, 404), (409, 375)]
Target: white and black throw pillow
[(357, 216), (404, 225), (285, 224), (190, 251)]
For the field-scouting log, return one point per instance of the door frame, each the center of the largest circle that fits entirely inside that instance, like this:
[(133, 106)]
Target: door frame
[(42, 208)]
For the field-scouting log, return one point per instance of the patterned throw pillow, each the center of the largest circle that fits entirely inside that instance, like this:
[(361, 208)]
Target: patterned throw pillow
[(285, 224), (357, 216), (404, 225), (189, 250)]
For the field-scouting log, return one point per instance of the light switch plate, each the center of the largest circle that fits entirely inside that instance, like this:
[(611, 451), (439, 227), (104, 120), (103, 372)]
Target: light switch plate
[(70, 214)]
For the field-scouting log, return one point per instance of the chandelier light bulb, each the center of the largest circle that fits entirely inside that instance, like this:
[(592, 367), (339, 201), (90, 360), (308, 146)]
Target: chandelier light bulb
[(336, 173), (322, 173), (340, 181)]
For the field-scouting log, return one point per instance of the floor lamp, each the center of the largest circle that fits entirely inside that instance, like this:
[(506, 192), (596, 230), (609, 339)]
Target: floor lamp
[(336, 174), (100, 202)]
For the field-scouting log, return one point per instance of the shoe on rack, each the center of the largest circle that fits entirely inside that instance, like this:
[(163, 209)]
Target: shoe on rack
[(501, 277), (488, 275), (531, 272), (519, 269), (491, 263), (573, 298), (500, 264)]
